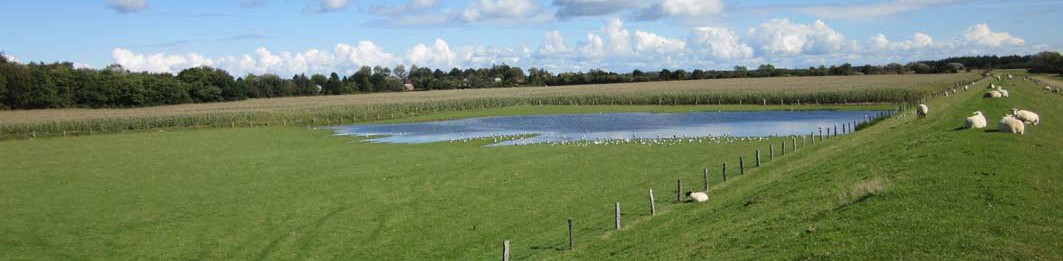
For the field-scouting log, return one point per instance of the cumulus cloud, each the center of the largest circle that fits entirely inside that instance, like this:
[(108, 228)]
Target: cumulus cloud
[(127, 6), (683, 9), (324, 6), (554, 43), (159, 62), (653, 43), (870, 10), (438, 55), (487, 10), (981, 34), (720, 43), (917, 41), (782, 37), (10, 58), (619, 37), (577, 8)]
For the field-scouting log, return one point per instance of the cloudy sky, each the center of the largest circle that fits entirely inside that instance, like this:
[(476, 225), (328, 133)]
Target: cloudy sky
[(320, 36)]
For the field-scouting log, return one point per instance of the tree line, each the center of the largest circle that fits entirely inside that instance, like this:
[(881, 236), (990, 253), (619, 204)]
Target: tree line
[(62, 85)]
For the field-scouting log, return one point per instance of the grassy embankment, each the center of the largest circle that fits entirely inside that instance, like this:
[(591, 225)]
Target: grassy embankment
[(906, 189), (332, 110)]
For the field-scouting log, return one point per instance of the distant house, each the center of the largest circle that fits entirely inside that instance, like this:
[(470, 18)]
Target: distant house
[(498, 79), (407, 85)]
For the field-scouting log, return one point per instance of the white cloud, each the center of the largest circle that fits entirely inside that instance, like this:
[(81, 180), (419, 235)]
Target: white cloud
[(10, 58), (871, 10), (619, 37), (594, 46), (438, 55), (981, 34), (653, 43), (553, 42), (917, 41), (127, 6), (365, 53), (323, 6), (486, 56), (683, 9), (720, 43), (159, 62), (782, 37), (487, 10)]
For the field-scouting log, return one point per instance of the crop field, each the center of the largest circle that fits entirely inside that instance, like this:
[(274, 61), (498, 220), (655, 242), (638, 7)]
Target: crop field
[(326, 110), (905, 188)]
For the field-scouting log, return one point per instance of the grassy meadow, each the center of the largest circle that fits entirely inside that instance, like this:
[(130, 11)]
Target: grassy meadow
[(906, 188), (330, 110)]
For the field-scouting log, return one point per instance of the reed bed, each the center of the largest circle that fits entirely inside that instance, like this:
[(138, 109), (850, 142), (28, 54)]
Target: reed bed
[(345, 109)]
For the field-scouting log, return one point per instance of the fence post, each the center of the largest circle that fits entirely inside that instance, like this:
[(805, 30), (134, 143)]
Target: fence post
[(782, 150), (678, 190), (505, 250), (571, 235), (617, 215), (813, 137), (725, 171), (794, 138), (741, 166), (653, 205), (771, 152), (758, 157), (706, 178)]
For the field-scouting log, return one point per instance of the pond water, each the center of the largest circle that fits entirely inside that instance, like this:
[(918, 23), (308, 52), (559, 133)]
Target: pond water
[(608, 126)]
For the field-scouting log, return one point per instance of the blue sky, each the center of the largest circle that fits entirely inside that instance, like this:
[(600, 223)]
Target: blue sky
[(319, 36)]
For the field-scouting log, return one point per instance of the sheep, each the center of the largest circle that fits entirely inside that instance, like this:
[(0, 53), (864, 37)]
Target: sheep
[(965, 87), (922, 110), (992, 94), (1010, 76), (1026, 116), (1003, 93), (977, 121), (991, 87), (698, 196), (1009, 124)]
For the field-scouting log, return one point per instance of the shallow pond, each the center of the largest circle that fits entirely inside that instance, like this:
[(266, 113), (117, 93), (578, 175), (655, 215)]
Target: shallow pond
[(609, 126)]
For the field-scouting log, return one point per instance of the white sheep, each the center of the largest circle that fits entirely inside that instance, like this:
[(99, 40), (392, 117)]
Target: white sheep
[(992, 94), (922, 110), (977, 121), (698, 196), (965, 87), (1010, 76), (1009, 124), (1026, 116), (1003, 92), (991, 87)]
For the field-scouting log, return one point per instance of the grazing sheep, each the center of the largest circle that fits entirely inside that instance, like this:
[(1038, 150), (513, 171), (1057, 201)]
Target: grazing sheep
[(1010, 76), (992, 94), (991, 87), (1026, 116), (1003, 93), (922, 110), (1009, 124), (965, 87), (698, 196), (946, 94), (977, 121)]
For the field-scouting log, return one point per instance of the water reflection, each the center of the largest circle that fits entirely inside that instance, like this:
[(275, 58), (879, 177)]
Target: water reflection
[(611, 126)]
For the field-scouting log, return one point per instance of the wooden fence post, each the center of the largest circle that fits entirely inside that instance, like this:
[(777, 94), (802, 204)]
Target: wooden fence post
[(706, 179), (782, 150), (813, 137), (794, 139), (571, 235), (617, 215), (505, 250), (741, 166), (678, 190), (771, 152), (653, 205), (725, 171), (758, 157)]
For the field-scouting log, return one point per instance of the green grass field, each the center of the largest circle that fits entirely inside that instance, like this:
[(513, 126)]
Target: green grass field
[(909, 189)]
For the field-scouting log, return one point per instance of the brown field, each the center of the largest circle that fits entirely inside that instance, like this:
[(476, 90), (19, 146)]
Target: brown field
[(748, 87)]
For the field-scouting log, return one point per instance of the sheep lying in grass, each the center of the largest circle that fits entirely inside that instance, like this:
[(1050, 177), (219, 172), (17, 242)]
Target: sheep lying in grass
[(992, 94), (977, 121), (1003, 92), (1009, 124), (698, 196), (1026, 116), (922, 110)]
